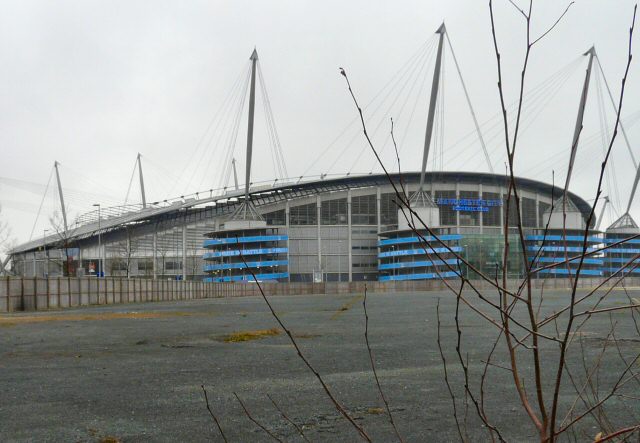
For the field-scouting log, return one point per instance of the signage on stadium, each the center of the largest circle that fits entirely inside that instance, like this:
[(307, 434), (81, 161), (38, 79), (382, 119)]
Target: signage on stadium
[(468, 204)]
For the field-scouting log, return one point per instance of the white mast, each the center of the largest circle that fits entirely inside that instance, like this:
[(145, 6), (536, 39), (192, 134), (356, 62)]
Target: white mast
[(64, 209)]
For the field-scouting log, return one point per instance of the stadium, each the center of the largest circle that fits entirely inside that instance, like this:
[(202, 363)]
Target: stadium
[(343, 229)]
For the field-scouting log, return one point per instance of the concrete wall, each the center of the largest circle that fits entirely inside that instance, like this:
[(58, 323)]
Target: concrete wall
[(35, 294)]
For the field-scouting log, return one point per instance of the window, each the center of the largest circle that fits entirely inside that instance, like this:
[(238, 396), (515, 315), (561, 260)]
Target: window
[(172, 265), (447, 214), (303, 214), (145, 265), (491, 217), (528, 212), (469, 218), (542, 208), (334, 212), (363, 210), (513, 211), (276, 217), (388, 209)]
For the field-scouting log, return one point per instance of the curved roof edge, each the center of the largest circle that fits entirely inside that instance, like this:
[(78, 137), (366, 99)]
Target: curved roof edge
[(302, 188)]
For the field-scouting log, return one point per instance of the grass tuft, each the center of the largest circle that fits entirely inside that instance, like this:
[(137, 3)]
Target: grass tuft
[(236, 337)]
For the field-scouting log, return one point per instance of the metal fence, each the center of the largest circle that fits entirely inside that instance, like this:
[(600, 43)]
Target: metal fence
[(35, 294)]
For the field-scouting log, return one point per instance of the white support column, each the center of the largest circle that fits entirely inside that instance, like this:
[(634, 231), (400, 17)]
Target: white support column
[(184, 251), (537, 210), (318, 205), (378, 211), (287, 210), (349, 242), (155, 255), (502, 211), (481, 214), (457, 212)]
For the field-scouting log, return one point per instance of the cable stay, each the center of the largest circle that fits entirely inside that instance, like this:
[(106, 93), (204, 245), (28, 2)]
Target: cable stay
[(473, 114), (377, 101), (272, 129), (613, 104), (44, 196), (410, 77), (214, 123)]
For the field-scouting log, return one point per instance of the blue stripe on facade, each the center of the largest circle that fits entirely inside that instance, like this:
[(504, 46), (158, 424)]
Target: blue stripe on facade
[(427, 276), (239, 278), (570, 238), (241, 265), (624, 271), (418, 251), (616, 240), (401, 240), (620, 260), (587, 261), (558, 249), (621, 250), (417, 264), (251, 239), (233, 253), (565, 271)]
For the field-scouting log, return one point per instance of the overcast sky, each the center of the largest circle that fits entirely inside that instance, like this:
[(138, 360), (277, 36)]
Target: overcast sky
[(90, 84)]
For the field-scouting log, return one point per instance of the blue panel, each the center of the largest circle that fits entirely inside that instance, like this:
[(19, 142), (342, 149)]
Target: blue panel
[(417, 276), (246, 278), (570, 238), (250, 239), (616, 240), (415, 239), (417, 264), (418, 251), (625, 250), (559, 249), (241, 265), (620, 260), (233, 253), (588, 261), (625, 271), (565, 271)]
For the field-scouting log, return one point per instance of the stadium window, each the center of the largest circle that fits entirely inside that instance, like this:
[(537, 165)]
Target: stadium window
[(334, 212), (303, 214), (469, 218), (528, 212), (388, 209), (492, 216), (275, 217), (447, 214), (513, 211), (363, 210), (542, 208)]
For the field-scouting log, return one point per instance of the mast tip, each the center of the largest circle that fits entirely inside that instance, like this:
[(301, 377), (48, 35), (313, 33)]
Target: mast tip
[(591, 51), (254, 55), (442, 29)]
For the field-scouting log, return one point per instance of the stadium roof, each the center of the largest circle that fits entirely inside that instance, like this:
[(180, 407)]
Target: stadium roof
[(200, 208)]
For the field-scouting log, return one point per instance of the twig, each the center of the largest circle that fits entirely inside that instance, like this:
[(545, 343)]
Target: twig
[(288, 419), (335, 402), (446, 373), (373, 366), (213, 416), (260, 425)]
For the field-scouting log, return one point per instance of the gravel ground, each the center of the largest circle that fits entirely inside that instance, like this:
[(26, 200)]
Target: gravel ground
[(133, 372)]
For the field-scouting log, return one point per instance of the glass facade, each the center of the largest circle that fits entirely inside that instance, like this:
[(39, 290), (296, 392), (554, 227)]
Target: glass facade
[(448, 217), (303, 215), (334, 212), (363, 210)]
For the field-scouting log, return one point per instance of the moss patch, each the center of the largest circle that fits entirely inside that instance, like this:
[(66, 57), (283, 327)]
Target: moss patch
[(236, 337)]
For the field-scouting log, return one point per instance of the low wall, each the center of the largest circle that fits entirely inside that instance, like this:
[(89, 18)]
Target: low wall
[(35, 294)]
